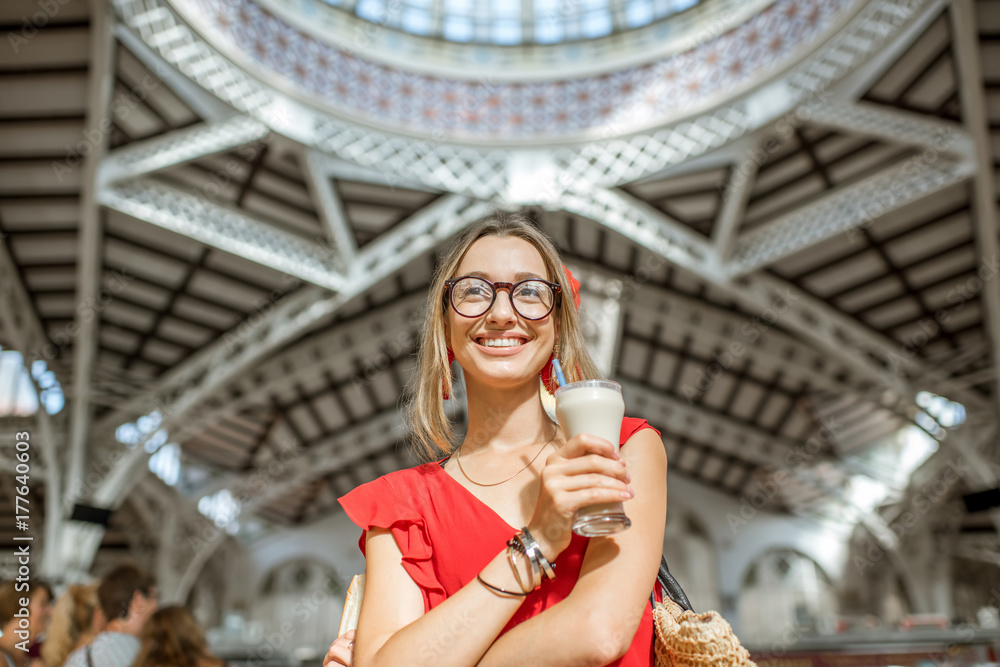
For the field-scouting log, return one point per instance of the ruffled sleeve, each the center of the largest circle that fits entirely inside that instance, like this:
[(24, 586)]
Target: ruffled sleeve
[(379, 504), (631, 426)]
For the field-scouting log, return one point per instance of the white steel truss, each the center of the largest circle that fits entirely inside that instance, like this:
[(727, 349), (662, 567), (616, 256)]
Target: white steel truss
[(970, 85), (180, 146), (206, 105), (893, 125), (847, 210), (331, 208), (18, 325), (720, 329), (728, 436), (226, 228), (734, 202), (310, 360), (193, 385), (101, 82), (836, 333)]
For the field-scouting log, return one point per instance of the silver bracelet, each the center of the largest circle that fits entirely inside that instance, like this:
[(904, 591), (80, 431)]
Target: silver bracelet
[(536, 576), (511, 550), (535, 552)]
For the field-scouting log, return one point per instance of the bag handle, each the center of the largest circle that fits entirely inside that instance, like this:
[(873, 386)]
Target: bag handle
[(669, 588)]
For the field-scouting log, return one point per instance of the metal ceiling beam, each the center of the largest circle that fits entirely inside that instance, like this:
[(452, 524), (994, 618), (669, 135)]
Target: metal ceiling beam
[(965, 43), (206, 105), (727, 436), (847, 210), (195, 384), (723, 329), (856, 346), (348, 171), (331, 208), (646, 226), (100, 88), (742, 177), (650, 229), (311, 359), (861, 80), (18, 321), (228, 229), (293, 316), (372, 435), (179, 146), (895, 126)]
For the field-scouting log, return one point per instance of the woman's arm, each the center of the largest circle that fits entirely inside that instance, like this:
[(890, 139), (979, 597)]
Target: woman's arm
[(393, 629), (595, 624)]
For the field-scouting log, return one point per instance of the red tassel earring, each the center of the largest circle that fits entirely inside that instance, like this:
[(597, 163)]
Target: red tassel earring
[(444, 388), (546, 374)]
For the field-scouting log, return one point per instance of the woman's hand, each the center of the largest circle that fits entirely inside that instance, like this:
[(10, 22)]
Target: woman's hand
[(341, 651), (585, 471)]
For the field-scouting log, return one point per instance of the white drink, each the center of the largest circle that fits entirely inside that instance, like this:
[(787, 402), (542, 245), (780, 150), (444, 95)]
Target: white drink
[(595, 407)]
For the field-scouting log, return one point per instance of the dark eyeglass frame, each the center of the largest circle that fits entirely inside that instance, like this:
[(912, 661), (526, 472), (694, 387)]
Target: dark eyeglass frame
[(449, 295)]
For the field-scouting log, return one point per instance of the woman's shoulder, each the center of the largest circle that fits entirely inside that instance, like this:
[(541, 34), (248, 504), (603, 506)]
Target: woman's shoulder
[(631, 426)]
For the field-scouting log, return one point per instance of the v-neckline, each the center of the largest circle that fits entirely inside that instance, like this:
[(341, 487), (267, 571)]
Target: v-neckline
[(474, 496)]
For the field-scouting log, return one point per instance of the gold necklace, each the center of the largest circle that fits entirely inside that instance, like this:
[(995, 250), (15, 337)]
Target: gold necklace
[(458, 459)]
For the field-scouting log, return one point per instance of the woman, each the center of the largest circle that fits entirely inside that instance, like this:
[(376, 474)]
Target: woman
[(172, 638), (441, 588), (76, 620)]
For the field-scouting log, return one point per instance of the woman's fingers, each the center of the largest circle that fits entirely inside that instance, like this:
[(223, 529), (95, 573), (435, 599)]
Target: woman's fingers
[(341, 650), (592, 481), (590, 464), (587, 444)]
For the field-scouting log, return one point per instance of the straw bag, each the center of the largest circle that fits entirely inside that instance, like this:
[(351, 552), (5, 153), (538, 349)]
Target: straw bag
[(687, 639)]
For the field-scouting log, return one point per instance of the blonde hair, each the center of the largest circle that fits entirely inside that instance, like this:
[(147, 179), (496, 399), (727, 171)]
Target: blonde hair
[(72, 616), (430, 429)]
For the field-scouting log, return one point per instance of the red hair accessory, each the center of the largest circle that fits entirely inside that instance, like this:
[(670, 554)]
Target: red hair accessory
[(574, 286)]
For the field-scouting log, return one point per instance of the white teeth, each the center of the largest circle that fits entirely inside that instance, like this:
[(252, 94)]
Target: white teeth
[(501, 342)]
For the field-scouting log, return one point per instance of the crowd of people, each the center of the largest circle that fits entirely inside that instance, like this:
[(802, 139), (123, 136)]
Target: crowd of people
[(115, 623)]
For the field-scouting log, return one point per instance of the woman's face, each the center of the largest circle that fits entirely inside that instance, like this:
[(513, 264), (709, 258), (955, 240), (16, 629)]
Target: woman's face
[(507, 259)]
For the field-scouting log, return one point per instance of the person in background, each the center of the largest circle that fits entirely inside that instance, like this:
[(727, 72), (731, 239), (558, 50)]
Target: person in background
[(38, 611), (76, 620), (127, 597), (172, 638)]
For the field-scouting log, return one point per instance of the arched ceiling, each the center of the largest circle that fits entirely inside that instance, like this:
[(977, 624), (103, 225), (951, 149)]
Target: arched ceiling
[(254, 267)]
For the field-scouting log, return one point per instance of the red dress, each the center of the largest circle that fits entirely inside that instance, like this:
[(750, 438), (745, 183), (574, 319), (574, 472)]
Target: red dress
[(447, 535)]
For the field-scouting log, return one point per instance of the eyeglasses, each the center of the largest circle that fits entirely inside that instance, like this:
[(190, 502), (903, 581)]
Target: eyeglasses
[(532, 299)]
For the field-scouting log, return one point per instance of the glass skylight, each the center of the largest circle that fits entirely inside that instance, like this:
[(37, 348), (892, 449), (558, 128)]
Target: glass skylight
[(513, 22), (18, 397)]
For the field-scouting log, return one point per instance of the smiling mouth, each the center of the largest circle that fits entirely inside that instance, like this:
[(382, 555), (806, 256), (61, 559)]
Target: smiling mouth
[(501, 342)]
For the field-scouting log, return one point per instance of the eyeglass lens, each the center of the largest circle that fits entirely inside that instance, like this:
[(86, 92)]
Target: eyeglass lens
[(532, 299)]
